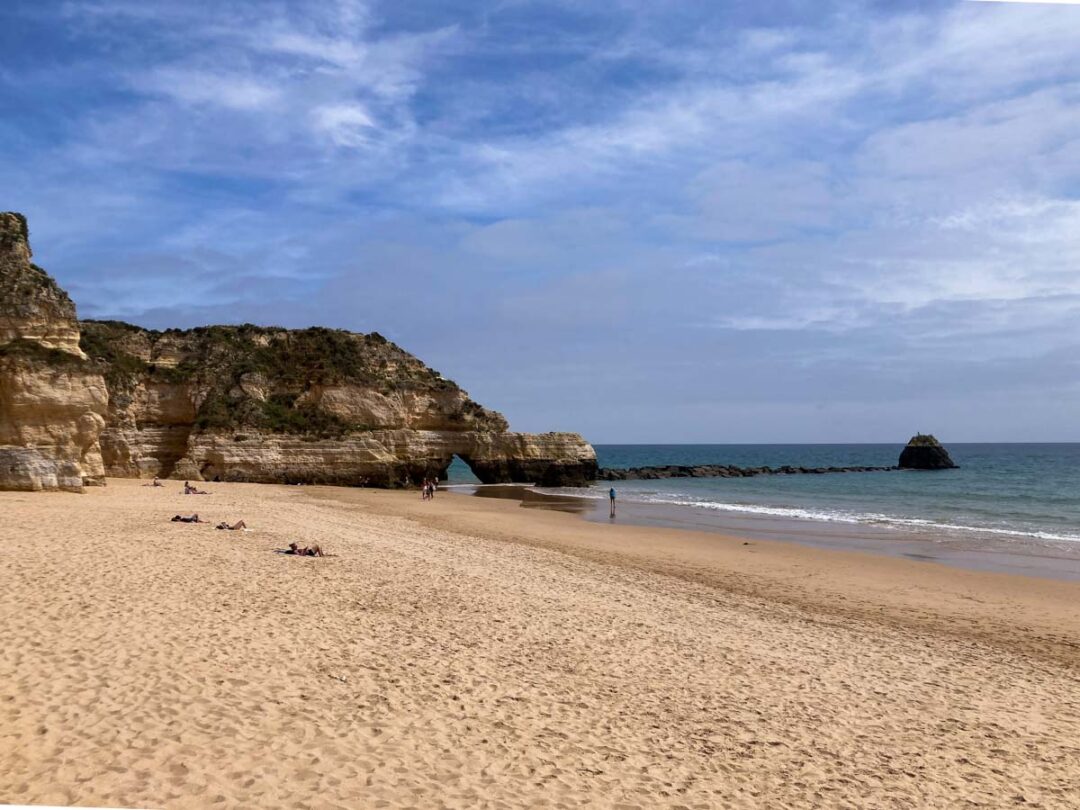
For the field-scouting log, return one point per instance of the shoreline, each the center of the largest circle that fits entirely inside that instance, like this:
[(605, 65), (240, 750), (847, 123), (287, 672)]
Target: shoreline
[(1030, 559), (466, 651), (854, 582)]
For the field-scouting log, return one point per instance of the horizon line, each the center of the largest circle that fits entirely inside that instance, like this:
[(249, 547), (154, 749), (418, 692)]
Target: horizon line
[(808, 444)]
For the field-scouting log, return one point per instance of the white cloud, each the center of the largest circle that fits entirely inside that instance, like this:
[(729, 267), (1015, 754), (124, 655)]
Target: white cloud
[(738, 201), (190, 86), (866, 186), (1033, 2), (345, 124)]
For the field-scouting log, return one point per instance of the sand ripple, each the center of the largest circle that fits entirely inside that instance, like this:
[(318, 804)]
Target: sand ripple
[(145, 663)]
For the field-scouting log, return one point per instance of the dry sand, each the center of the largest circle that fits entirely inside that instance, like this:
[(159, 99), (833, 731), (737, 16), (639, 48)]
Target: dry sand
[(470, 653)]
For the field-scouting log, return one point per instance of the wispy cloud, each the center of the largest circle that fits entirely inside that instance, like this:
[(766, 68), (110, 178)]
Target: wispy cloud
[(1033, 2), (193, 87), (662, 198)]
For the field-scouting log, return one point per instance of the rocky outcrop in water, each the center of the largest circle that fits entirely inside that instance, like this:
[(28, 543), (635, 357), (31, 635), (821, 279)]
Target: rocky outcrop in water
[(921, 453), (52, 399), (721, 471), (924, 452)]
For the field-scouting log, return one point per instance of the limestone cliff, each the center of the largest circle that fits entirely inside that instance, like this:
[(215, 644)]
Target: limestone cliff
[(52, 399), (32, 305), (234, 403), (249, 403)]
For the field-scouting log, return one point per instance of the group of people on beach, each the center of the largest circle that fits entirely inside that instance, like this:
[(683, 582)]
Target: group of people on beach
[(189, 489), (314, 550), (196, 519), (427, 489)]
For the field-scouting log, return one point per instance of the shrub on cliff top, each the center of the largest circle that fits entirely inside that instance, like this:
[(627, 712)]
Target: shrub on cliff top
[(923, 440), (12, 227), (106, 325), (254, 376), (34, 351), (120, 369), (280, 414)]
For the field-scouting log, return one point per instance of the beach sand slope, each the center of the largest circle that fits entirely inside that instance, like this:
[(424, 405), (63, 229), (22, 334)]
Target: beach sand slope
[(464, 653)]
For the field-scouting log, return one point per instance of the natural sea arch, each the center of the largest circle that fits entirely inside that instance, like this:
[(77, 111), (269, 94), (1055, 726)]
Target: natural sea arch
[(459, 472)]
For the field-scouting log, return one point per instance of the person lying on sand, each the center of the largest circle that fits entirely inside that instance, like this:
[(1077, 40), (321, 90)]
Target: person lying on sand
[(238, 525), (306, 551), (182, 519), (190, 490), (155, 484)]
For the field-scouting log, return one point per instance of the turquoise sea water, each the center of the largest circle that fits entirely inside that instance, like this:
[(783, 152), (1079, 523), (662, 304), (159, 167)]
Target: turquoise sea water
[(1005, 494)]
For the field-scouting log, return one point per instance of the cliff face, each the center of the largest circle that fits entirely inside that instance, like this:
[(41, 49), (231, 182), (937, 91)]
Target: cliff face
[(52, 399), (234, 403), (247, 403), (32, 305)]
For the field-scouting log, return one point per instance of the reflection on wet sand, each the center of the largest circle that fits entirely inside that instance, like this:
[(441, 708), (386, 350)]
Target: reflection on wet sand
[(531, 499), (858, 537)]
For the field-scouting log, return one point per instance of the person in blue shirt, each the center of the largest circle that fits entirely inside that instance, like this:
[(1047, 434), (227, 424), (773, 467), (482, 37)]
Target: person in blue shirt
[(611, 497)]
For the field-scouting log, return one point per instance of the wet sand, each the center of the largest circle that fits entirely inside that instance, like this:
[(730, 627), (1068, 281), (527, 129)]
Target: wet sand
[(470, 653), (1028, 558)]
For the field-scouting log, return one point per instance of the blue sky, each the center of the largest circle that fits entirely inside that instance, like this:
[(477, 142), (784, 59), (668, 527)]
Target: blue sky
[(646, 221)]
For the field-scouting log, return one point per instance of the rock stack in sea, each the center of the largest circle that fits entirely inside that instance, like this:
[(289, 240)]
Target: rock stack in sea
[(235, 403), (924, 452)]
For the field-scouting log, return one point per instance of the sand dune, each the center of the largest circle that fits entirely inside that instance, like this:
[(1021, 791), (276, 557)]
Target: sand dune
[(476, 655)]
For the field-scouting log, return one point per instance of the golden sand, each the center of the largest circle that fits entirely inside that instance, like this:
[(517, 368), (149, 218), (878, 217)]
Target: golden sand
[(470, 653)]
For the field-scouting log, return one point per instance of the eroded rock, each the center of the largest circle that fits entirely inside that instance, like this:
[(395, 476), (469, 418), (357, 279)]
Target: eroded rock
[(319, 406), (924, 452), (33, 307), (234, 403), (721, 471), (52, 399)]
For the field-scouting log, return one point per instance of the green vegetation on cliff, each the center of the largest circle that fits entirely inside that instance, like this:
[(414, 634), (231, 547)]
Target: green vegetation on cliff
[(255, 376), (15, 228), (25, 288), (33, 351), (923, 440)]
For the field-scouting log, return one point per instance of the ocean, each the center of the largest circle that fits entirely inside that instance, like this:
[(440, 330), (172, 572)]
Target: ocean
[(1019, 498)]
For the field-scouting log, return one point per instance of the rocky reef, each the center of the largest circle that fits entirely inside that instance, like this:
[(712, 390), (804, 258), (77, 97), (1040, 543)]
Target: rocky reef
[(53, 400), (721, 471), (924, 452), (81, 400), (921, 453)]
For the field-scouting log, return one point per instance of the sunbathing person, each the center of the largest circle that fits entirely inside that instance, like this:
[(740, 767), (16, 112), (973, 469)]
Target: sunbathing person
[(238, 525), (306, 551), (182, 519), (190, 490), (155, 484)]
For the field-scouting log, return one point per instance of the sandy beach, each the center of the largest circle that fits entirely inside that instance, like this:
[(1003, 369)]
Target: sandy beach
[(470, 653)]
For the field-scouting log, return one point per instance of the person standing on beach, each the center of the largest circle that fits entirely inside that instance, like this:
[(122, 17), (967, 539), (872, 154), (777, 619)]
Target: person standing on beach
[(611, 497)]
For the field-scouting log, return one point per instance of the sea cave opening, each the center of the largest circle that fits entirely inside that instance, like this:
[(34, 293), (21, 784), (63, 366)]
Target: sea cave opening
[(459, 472)]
